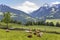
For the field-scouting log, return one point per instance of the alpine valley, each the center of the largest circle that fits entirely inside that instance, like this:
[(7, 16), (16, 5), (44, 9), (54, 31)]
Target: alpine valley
[(44, 12)]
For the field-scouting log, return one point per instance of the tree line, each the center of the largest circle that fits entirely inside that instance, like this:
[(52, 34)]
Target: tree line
[(43, 23)]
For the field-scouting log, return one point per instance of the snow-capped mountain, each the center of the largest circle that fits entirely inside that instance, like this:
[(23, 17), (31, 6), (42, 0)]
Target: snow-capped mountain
[(47, 11)]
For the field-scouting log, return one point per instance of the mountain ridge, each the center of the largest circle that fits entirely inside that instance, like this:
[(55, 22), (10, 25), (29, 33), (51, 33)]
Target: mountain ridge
[(50, 12), (19, 15)]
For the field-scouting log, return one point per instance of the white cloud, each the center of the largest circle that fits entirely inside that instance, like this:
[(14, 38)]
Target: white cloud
[(27, 7), (55, 2)]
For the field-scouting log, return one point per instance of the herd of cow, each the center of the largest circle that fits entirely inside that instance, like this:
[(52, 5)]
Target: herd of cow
[(36, 32)]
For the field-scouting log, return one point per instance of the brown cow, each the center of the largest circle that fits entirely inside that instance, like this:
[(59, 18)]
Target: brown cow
[(29, 33)]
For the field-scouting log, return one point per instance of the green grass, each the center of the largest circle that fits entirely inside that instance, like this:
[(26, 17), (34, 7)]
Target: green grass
[(53, 20), (41, 27), (22, 35)]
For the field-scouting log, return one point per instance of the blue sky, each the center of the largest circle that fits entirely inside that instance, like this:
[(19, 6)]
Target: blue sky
[(26, 3), (17, 2)]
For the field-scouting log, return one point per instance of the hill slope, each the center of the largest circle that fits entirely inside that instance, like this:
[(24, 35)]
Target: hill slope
[(48, 12), (16, 14)]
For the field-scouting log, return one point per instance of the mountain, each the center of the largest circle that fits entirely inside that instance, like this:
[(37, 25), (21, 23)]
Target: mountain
[(16, 14), (47, 11)]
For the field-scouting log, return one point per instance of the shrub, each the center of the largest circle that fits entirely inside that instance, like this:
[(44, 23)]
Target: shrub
[(47, 23), (57, 24), (51, 24)]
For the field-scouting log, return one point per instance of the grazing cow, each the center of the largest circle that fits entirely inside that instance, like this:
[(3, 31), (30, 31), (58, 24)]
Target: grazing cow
[(7, 30), (29, 33), (35, 32), (29, 36), (40, 34)]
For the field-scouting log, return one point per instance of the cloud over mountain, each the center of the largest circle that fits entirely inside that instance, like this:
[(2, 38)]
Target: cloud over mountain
[(55, 2), (27, 7)]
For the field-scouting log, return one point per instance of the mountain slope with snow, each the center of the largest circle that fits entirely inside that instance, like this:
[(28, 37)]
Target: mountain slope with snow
[(48, 11)]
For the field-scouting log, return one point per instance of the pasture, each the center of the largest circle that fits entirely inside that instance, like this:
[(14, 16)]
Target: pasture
[(53, 20), (22, 35)]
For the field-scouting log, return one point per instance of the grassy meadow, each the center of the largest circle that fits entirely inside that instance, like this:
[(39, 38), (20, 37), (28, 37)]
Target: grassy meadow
[(53, 20), (41, 27), (22, 35)]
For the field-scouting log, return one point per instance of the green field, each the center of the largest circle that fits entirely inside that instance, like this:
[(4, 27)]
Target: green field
[(22, 35), (44, 28), (53, 20)]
